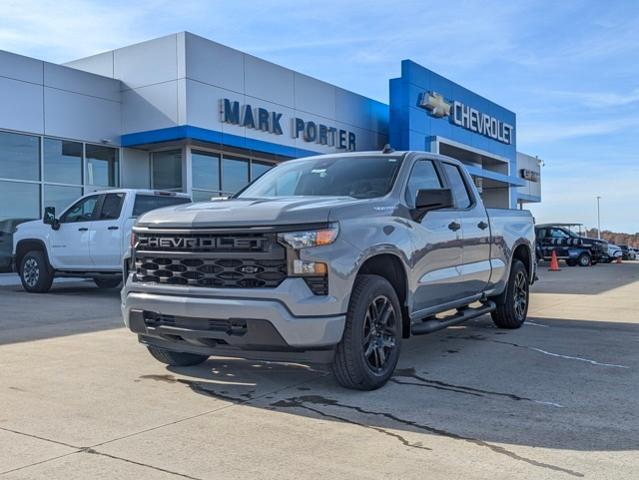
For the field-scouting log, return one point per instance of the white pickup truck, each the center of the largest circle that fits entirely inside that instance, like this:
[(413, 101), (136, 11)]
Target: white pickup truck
[(87, 240)]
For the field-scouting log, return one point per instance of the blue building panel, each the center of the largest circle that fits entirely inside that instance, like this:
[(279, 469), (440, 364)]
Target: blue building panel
[(448, 105)]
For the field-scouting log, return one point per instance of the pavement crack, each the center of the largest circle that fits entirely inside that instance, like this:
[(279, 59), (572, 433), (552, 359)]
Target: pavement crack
[(439, 385), (17, 432), (115, 457), (558, 355), (288, 403), (436, 387), (303, 401), (539, 350)]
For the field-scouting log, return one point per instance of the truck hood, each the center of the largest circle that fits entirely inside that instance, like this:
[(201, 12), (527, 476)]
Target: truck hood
[(245, 212)]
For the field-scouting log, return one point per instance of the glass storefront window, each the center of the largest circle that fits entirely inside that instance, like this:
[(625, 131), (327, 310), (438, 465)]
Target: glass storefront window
[(235, 174), (258, 168), (102, 166), (205, 168), (60, 197), (19, 200), (62, 161), (19, 156), (167, 170)]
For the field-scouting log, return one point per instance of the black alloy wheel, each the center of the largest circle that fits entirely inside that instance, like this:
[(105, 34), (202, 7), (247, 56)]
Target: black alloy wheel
[(379, 340), (520, 296)]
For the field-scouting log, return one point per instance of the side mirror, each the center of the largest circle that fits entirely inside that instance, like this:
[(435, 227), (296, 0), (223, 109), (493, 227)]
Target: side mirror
[(433, 199), (49, 218)]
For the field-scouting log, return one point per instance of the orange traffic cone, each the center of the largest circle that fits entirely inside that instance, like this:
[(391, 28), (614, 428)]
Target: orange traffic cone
[(554, 263)]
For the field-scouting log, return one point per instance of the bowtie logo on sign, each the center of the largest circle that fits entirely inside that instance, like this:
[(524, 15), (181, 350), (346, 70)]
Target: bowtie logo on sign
[(435, 104), (467, 117)]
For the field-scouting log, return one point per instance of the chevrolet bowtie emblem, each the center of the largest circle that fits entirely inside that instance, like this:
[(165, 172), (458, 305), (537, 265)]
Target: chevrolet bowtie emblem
[(435, 104)]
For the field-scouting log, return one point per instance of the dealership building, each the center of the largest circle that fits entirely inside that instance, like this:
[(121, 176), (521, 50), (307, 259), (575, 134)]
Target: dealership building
[(187, 114)]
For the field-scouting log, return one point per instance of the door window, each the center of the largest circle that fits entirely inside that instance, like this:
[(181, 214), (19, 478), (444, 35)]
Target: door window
[(556, 233), (457, 186), (111, 206), (81, 211), (422, 177)]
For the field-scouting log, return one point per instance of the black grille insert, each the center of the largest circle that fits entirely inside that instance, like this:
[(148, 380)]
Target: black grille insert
[(211, 272), (220, 260)]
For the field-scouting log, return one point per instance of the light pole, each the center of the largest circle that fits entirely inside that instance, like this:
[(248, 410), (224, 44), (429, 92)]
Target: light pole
[(598, 219)]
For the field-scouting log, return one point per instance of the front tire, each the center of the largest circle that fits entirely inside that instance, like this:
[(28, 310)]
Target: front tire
[(102, 282), (35, 274), (512, 307), (367, 355), (176, 359), (584, 260)]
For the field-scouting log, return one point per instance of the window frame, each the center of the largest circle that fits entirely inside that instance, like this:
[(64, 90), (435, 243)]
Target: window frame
[(433, 162), (83, 185), (469, 191), (103, 196), (85, 166), (221, 153)]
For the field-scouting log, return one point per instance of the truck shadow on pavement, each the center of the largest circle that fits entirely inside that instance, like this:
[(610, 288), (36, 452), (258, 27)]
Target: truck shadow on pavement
[(474, 384)]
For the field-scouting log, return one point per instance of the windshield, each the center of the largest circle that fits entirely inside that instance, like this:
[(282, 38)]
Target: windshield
[(358, 177)]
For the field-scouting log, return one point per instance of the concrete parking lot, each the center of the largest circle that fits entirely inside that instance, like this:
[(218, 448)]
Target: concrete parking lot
[(559, 398)]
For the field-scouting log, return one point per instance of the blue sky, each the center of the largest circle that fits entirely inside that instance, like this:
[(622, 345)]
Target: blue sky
[(570, 70)]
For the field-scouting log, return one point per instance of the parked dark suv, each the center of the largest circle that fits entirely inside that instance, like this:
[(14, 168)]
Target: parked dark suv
[(574, 249)]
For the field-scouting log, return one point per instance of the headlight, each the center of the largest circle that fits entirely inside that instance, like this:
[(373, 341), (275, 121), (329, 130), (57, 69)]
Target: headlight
[(310, 238)]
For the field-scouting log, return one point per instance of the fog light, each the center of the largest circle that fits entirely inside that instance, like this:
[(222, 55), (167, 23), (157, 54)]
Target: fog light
[(302, 267)]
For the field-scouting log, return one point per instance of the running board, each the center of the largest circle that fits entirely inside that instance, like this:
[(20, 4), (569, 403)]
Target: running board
[(430, 326)]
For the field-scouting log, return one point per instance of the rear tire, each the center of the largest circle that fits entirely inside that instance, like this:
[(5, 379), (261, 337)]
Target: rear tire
[(512, 307), (176, 359), (35, 273), (367, 355), (103, 282)]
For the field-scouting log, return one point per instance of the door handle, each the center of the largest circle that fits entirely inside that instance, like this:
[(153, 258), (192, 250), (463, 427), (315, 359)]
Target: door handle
[(482, 225), (83, 229), (113, 227), (454, 226)]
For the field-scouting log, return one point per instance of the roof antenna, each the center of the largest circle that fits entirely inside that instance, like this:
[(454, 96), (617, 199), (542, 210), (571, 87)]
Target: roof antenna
[(387, 149)]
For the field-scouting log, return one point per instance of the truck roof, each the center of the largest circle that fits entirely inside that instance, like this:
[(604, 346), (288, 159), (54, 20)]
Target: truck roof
[(144, 191)]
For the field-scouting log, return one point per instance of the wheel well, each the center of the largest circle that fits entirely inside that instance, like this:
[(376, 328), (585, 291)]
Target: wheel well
[(25, 246), (390, 267), (522, 252)]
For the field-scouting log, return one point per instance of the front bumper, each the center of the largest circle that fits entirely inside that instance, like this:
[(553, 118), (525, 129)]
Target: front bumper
[(239, 326)]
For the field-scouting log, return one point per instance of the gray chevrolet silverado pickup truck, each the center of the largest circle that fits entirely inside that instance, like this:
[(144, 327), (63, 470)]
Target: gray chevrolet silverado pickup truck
[(331, 259)]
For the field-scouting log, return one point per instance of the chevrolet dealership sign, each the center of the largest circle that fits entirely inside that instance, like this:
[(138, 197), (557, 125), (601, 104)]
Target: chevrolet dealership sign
[(467, 117)]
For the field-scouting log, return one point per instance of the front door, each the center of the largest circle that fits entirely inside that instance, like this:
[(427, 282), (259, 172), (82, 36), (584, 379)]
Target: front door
[(107, 230), (437, 249), (70, 242)]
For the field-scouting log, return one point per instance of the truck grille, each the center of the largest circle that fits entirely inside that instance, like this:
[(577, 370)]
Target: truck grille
[(210, 260)]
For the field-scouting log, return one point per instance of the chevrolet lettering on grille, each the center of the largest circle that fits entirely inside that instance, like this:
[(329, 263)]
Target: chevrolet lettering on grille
[(200, 243)]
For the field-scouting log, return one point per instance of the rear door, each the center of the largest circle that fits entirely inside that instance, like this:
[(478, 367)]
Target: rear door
[(437, 242), (107, 231), (475, 267)]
